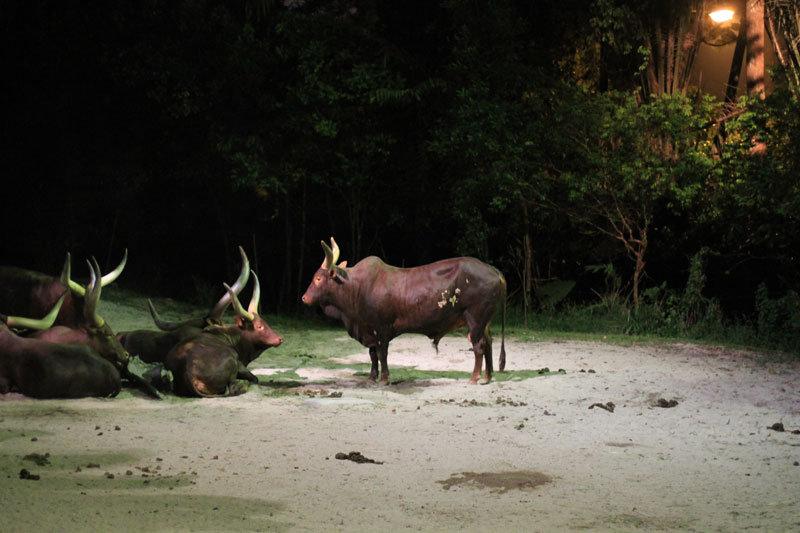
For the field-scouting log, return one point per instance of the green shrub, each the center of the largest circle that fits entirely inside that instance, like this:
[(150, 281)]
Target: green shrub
[(778, 319)]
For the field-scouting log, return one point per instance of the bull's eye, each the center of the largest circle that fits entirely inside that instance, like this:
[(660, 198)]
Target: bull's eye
[(317, 280)]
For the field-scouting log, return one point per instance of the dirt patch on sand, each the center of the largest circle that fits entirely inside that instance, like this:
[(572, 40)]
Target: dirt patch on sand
[(499, 482)]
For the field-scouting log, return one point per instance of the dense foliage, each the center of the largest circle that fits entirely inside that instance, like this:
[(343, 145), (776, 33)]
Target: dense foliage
[(517, 132)]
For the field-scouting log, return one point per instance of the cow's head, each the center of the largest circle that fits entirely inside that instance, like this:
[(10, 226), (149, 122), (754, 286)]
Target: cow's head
[(252, 327), (327, 277), (98, 333)]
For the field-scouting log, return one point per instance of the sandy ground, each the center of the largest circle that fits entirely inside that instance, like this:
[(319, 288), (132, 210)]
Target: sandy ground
[(523, 455)]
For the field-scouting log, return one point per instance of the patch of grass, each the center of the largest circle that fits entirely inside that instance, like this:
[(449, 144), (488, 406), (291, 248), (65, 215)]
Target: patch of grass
[(312, 343), (20, 433), (404, 374)]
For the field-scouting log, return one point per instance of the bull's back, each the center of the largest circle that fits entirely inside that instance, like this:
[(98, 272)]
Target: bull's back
[(431, 299), (153, 346), (33, 294)]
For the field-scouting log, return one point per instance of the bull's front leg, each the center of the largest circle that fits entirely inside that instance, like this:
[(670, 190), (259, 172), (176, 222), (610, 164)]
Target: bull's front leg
[(383, 353), (5, 385), (243, 373), (373, 356)]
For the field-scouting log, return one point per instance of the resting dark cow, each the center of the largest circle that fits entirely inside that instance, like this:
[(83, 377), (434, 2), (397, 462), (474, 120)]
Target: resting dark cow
[(153, 346), (209, 364), (29, 293), (42, 369), (377, 302)]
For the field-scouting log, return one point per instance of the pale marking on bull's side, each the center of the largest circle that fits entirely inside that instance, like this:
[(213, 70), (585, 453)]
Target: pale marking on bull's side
[(458, 291)]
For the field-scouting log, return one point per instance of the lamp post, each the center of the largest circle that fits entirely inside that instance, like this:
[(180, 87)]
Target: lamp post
[(723, 25)]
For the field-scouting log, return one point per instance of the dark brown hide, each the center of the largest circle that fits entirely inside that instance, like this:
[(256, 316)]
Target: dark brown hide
[(202, 366), (377, 302), (42, 369), (153, 346), (30, 293), (207, 364)]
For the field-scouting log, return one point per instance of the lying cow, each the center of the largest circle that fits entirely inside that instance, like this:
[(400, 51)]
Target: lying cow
[(42, 369), (377, 302), (209, 364), (29, 293), (153, 346)]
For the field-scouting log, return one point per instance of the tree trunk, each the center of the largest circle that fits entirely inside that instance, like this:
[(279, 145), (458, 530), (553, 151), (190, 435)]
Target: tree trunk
[(637, 273), (527, 271), (754, 69), (286, 277), (736, 67), (302, 240), (754, 27)]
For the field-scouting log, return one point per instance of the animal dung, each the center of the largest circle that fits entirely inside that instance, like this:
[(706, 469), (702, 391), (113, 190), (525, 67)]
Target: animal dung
[(662, 402), (608, 406), (38, 458), (356, 457), (24, 474)]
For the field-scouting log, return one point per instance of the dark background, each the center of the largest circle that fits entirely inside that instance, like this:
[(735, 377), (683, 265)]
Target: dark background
[(182, 129)]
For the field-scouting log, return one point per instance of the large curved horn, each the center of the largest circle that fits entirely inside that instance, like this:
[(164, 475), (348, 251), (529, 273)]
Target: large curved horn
[(328, 261), (219, 309), (79, 289), (66, 278), (165, 325), (237, 305), (33, 323), (66, 271), (93, 290), (335, 250), (255, 299), (114, 274)]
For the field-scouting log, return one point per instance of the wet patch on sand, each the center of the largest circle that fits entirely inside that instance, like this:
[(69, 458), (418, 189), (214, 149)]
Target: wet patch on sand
[(498, 482)]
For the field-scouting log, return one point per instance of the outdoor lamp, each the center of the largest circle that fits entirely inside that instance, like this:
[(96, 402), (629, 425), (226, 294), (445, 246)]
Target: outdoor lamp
[(722, 15), (721, 24)]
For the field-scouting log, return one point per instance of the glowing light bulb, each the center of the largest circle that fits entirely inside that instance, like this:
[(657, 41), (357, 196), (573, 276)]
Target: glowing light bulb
[(721, 15)]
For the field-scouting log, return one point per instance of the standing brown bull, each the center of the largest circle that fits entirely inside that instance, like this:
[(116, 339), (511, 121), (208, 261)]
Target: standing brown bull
[(377, 302)]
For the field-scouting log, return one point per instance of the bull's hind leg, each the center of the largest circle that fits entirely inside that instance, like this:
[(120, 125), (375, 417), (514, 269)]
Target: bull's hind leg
[(487, 355), (373, 357), (482, 347)]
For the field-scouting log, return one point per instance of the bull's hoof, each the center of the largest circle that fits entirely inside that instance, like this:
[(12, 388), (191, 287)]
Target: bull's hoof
[(237, 387), (385, 380), (473, 380), (485, 381)]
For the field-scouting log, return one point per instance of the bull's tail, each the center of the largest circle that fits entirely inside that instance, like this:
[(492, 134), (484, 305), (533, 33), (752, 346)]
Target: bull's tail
[(503, 325)]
